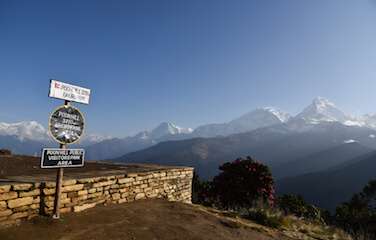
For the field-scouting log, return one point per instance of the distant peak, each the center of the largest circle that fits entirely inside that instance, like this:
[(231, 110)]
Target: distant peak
[(322, 110), (281, 115), (166, 124), (24, 130), (322, 102), (168, 128)]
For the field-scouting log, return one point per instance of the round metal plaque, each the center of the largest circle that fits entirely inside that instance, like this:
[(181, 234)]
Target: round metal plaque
[(66, 124)]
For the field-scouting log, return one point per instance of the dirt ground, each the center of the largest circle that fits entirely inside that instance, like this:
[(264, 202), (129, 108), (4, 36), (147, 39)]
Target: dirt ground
[(148, 219), (26, 168)]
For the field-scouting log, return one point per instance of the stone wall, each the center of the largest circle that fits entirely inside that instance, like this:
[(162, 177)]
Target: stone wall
[(22, 201)]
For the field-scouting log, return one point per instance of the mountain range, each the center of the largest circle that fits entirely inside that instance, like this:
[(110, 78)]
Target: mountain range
[(319, 111), (321, 142)]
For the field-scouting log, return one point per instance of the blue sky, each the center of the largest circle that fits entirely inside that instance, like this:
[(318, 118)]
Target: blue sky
[(188, 62)]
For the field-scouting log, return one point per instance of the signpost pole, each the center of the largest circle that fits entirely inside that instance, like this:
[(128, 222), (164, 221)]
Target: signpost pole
[(66, 126), (59, 184)]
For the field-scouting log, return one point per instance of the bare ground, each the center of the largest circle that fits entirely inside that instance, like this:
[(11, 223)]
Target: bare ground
[(27, 168), (149, 219)]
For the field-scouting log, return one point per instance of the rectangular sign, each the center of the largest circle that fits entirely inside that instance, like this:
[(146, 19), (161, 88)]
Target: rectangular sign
[(69, 92), (62, 158)]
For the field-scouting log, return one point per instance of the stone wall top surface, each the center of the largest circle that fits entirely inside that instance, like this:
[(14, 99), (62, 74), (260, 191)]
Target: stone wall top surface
[(121, 171)]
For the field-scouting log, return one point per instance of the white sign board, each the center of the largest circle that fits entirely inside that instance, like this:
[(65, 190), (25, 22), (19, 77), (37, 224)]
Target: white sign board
[(69, 92)]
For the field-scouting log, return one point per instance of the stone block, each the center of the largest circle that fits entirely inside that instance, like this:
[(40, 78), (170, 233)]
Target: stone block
[(102, 184), (34, 206), (4, 188), (19, 202), (36, 200), (21, 209), (140, 196), (19, 215), (94, 195), (3, 205), (85, 180), (123, 200), (151, 195), (34, 192), (8, 195), (124, 195), (5, 213), (116, 196), (123, 190), (72, 188), (132, 175), (49, 204), (50, 184), (49, 191), (69, 182), (82, 197), (83, 207), (65, 200), (22, 186), (82, 192), (92, 190)]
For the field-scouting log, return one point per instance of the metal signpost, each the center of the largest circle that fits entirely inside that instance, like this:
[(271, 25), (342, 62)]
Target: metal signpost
[(66, 126)]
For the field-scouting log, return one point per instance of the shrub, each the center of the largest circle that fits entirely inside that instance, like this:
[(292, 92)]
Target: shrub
[(292, 204), (243, 183), (262, 217), (202, 191), (358, 216), (5, 152), (296, 205)]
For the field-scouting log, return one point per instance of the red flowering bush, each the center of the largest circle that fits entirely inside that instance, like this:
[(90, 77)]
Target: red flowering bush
[(243, 183)]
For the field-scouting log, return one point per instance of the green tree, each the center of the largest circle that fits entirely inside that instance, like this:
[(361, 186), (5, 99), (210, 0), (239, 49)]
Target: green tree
[(358, 216), (202, 191), (243, 183)]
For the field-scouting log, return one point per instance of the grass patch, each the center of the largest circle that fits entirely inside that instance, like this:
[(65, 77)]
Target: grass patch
[(262, 217)]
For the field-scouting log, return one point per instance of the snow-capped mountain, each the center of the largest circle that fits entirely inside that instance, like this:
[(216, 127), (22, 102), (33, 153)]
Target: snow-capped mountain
[(167, 128), (322, 110), (369, 120), (93, 138), (261, 117), (116, 147), (31, 130), (318, 115)]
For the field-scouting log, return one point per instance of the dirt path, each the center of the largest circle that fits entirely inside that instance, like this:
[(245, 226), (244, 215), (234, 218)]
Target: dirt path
[(149, 219)]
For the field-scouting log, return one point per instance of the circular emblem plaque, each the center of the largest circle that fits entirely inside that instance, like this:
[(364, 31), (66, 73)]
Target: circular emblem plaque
[(66, 124)]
